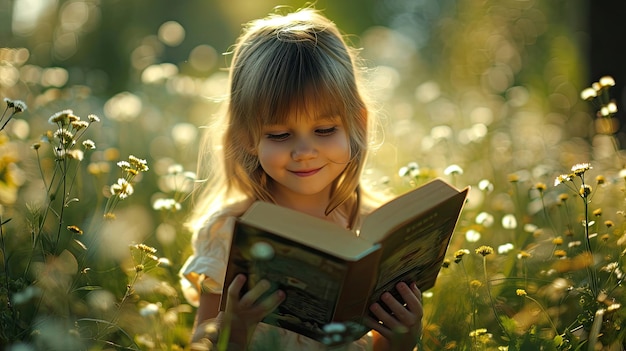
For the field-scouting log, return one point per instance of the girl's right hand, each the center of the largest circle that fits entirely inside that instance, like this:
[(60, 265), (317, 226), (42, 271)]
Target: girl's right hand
[(243, 313)]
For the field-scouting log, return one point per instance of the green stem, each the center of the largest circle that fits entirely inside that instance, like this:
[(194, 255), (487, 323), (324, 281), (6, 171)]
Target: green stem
[(49, 197), (591, 267), (556, 332), (6, 273), (473, 299), (7, 120), (545, 213), (116, 316), (491, 299), (63, 202)]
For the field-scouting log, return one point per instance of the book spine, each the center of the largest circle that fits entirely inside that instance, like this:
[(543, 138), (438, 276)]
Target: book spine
[(352, 304)]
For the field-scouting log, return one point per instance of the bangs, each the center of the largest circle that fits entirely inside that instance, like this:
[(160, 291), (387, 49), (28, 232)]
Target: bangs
[(300, 81), (310, 103), (296, 72)]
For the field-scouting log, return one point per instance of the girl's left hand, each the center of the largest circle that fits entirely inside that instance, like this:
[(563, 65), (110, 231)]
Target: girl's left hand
[(401, 328)]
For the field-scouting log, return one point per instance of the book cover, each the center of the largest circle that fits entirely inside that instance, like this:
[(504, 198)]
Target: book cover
[(330, 274)]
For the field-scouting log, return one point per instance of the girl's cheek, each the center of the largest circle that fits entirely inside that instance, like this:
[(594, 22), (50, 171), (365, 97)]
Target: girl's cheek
[(340, 147)]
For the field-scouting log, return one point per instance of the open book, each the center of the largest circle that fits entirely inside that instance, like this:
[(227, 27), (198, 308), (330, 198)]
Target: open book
[(330, 274)]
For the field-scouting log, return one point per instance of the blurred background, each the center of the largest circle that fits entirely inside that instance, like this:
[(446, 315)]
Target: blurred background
[(491, 87), (129, 51), (107, 46)]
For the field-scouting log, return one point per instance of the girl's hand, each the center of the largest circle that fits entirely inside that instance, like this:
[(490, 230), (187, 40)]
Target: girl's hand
[(243, 313), (402, 327)]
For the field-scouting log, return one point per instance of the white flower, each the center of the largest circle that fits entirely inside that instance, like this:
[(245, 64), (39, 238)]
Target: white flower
[(573, 244), (604, 111), (472, 236), (588, 94), (453, 169), (509, 221), (581, 168), (89, 144), (502, 249), (175, 169), (607, 81), (164, 262), (484, 218), (139, 164), (190, 175), (76, 154), (485, 185), (166, 204), (123, 165), (562, 179), (149, 310), (122, 188), (410, 170), (530, 228)]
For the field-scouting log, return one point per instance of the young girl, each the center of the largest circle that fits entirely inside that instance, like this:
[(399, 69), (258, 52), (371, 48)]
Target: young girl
[(295, 133)]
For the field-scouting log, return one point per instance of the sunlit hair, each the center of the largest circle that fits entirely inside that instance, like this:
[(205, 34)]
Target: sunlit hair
[(283, 65)]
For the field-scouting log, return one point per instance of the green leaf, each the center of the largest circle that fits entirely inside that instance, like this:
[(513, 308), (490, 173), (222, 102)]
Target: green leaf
[(70, 201), (88, 288), (558, 340), (79, 244)]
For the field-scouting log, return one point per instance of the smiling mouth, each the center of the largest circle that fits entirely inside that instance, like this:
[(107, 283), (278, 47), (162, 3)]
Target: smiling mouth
[(306, 173)]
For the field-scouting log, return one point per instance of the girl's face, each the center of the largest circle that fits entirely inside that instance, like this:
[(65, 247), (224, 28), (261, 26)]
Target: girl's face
[(304, 156)]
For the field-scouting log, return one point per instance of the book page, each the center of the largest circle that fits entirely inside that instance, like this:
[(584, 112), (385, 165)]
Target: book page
[(413, 256), (320, 234), (405, 207), (415, 250)]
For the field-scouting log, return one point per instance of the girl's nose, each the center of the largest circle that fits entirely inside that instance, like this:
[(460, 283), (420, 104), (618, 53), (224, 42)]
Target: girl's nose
[(303, 150)]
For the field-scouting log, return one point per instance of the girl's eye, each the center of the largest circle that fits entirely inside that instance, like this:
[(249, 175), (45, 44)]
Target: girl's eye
[(278, 137), (326, 131)]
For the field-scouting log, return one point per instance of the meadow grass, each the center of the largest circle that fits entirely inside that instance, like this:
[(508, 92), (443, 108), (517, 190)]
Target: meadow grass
[(92, 209)]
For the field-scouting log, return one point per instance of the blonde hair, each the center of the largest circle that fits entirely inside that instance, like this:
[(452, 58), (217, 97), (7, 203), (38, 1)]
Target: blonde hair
[(282, 64)]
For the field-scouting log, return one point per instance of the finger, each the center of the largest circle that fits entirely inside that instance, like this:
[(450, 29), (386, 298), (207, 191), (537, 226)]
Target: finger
[(270, 303), (418, 308), (389, 321), (416, 291), (376, 325), (234, 290), (252, 296), (412, 297), (401, 315)]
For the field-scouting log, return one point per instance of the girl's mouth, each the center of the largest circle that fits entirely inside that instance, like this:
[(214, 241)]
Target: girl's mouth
[(306, 173)]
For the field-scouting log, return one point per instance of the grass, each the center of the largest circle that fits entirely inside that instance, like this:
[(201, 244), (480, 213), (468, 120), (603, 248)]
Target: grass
[(553, 282), (91, 239)]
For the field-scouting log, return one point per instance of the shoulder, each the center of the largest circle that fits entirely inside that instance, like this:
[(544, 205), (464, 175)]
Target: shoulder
[(221, 222)]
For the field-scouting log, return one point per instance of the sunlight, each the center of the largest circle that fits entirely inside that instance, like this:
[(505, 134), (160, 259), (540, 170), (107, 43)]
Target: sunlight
[(27, 14)]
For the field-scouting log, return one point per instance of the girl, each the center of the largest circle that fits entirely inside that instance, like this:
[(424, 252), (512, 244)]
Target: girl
[(295, 134)]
